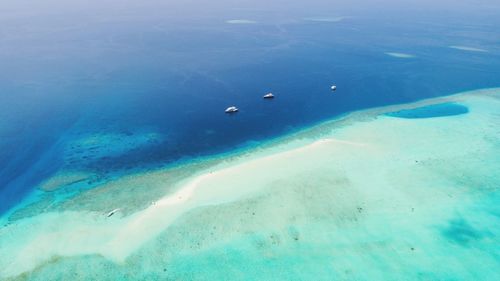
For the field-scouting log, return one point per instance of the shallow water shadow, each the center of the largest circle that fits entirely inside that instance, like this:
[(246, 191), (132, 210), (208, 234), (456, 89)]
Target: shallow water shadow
[(461, 232)]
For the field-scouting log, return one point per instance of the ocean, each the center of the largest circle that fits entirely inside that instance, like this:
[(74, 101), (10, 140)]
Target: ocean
[(94, 92), (72, 71)]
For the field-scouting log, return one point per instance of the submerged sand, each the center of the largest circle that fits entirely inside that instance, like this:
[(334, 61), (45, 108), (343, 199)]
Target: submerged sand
[(400, 55), (469, 49), (365, 197), (241, 21)]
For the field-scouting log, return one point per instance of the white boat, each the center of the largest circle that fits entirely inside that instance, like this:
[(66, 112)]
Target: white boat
[(268, 96), (333, 87), (231, 109)]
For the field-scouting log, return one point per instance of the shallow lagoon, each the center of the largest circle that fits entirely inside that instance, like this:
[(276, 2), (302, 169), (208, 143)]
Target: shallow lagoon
[(364, 197)]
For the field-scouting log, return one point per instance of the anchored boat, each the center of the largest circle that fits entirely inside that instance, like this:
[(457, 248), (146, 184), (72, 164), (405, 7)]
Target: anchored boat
[(269, 96), (112, 212), (231, 109)]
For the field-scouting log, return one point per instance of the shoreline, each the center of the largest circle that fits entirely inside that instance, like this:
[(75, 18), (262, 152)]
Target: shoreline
[(248, 147)]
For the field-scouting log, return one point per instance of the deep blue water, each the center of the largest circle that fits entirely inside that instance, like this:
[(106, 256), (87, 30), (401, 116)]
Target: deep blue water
[(73, 71), (430, 111)]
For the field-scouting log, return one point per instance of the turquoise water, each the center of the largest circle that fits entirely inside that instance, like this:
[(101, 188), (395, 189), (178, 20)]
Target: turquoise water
[(430, 111), (351, 199)]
